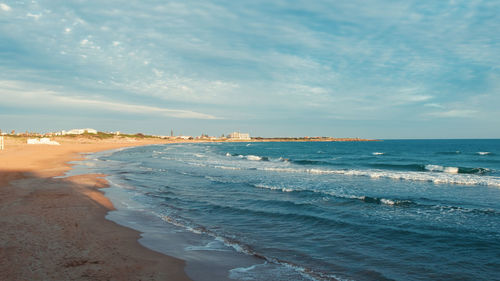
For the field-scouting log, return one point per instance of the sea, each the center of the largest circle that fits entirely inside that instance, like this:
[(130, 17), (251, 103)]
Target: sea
[(384, 210)]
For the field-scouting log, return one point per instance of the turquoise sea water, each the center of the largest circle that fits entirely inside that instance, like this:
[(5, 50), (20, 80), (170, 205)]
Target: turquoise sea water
[(390, 210)]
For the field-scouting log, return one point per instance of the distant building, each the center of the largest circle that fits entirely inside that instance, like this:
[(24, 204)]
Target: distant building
[(238, 136), (42, 141), (77, 132)]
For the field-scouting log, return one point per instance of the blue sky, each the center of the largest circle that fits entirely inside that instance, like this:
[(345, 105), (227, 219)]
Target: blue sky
[(375, 69)]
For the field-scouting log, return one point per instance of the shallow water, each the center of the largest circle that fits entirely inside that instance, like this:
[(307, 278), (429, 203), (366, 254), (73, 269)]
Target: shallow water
[(403, 210)]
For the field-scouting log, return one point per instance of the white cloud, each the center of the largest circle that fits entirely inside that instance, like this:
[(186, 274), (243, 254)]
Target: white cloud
[(414, 98), (34, 16), (130, 108), (34, 96), (454, 113), (261, 59), (5, 7), (435, 105)]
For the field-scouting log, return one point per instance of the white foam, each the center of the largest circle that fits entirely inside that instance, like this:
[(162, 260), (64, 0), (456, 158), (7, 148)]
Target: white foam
[(227, 168), (451, 170), (253, 158), (438, 168), (210, 246), (237, 247), (387, 201), (248, 157), (284, 189), (239, 270), (449, 177), (378, 153), (433, 168), (483, 152)]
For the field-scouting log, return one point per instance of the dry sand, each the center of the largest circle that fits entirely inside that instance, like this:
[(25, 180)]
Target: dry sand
[(55, 229)]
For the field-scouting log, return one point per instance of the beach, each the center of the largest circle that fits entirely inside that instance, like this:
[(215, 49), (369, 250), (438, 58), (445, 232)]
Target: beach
[(55, 228), (389, 210)]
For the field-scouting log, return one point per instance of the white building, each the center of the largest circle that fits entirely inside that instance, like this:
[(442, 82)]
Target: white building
[(238, 136), (77, 132), (42, 141)]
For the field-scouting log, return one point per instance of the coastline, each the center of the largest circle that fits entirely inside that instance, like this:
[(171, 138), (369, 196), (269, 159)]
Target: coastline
[(55, 229)]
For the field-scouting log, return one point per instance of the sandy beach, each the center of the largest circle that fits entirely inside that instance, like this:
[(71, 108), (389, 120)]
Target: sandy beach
[(55, 229)]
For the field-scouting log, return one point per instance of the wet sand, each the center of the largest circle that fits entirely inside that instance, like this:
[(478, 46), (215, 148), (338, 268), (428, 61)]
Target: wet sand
[(55, 229)]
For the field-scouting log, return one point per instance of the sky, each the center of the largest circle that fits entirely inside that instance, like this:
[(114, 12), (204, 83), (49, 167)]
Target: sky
[(356, 68)]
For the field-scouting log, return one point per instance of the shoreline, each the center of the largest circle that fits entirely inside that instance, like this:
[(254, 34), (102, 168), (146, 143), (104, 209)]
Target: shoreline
[(56, 228), (207, 255), (162, 235)]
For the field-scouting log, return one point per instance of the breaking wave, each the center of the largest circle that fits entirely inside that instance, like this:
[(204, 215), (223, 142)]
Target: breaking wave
[(248, 157), (430, 168), (246, 249), (366, 199), (380, 200), (437, 178), (438, 168)]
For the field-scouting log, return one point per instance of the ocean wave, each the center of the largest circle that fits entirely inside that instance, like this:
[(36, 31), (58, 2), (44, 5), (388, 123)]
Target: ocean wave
[(284, 189), (430, 168), (417, 167), (281, 159), (383, 201), (248, 157), (437, 178), (210, 246), (378, 153), (366, 199), (465, 210), (438, 168), (241, 247), (309, 162), (228, 167), (484, 153), (253, 157), (456, 170), (399, 167), (284, 159)]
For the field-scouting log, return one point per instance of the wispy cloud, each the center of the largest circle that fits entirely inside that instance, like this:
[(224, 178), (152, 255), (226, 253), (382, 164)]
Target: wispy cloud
[(34, 16), (34, 96), (434, 105), (260, 59), (454, 113), (5, 7)]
